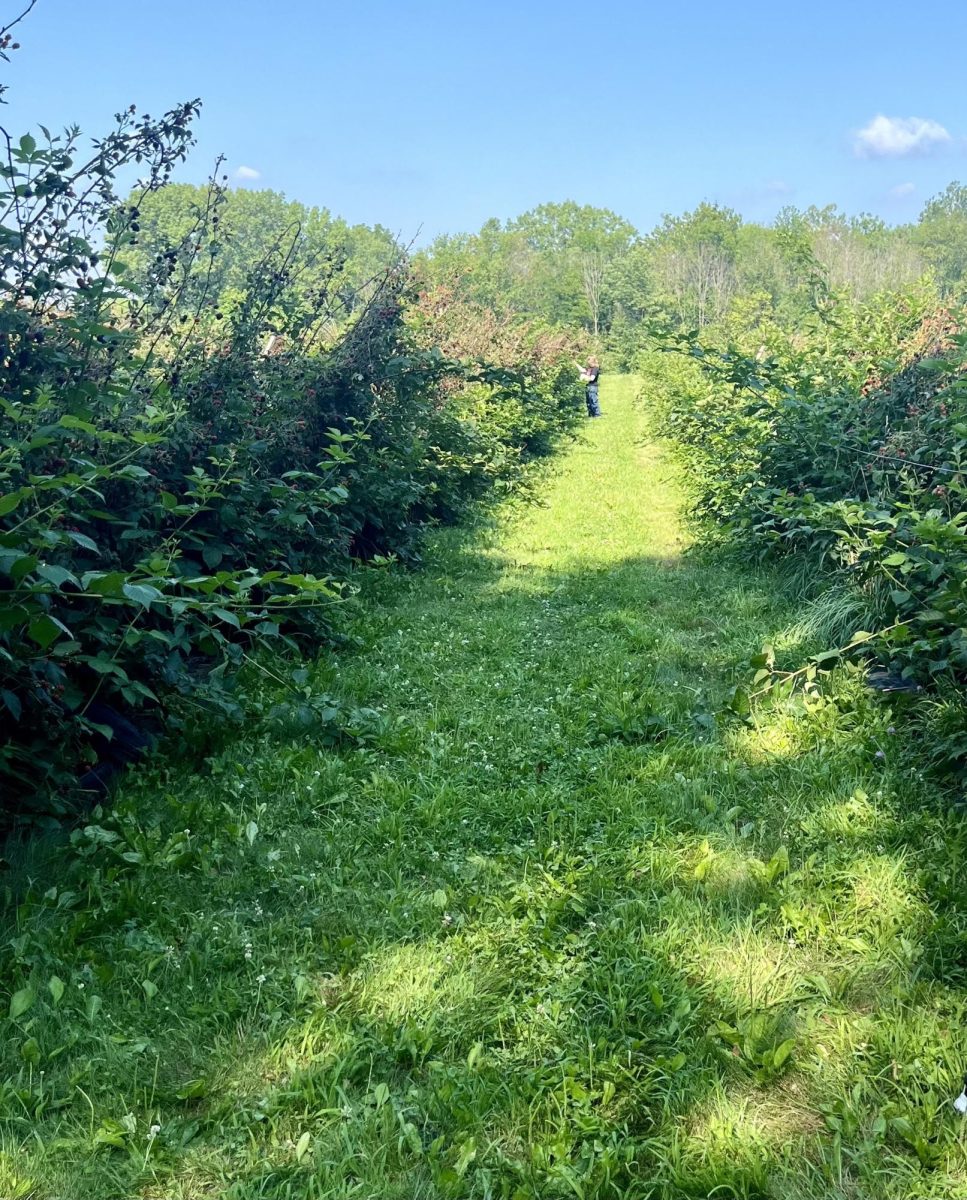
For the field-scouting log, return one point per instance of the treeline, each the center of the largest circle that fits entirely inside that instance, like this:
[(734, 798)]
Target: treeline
[(213, 404), (579, 266), (321, 252)]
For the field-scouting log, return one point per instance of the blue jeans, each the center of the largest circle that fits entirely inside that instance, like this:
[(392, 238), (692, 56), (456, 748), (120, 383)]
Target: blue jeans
[(591, 396)]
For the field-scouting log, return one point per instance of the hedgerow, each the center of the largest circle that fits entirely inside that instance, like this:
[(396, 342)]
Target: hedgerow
[(188, 474), (841, 442)]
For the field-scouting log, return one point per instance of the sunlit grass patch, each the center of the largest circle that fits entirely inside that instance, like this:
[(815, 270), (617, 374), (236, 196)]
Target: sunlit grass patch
[(771, 738), (745, 968), (14, 1185), (882, 899), (855, 818), (869, 908), (745, 1117), (431, 983)]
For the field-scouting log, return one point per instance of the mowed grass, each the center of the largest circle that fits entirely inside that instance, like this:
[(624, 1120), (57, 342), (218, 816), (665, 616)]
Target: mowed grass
[(554, 929)]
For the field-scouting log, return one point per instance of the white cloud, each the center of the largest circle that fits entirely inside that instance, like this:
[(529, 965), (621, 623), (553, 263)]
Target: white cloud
[(778, 187), (247, 173), (903, 189), (893, 137)]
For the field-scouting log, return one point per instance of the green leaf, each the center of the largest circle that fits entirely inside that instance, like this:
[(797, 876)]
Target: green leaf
[(69, 422), (229, 618), (466, 1155), (778, 864), (105, 731), (103, 583), (150, 989), (110, 1133), (302, 1147), (895, 560), (82, 540), (783, 1052), (194, 1089), (21, 1001), (9, 502), (11, 617), (56, 988), (728, 1033), (12, 703), (251, 832), (21, 567), (30, 1051), (28, 144), (44, 631), (141, 689), (142, 593), (765, 660), (103, 665), (56, 575)]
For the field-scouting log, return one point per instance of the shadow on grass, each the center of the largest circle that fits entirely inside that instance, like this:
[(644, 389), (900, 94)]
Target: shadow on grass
[(566, 935)]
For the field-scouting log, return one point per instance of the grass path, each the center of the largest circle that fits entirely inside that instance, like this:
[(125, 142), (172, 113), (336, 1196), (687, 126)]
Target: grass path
[(552, 931)]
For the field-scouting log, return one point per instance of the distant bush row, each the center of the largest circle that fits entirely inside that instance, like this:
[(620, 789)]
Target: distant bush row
[(842, 441)]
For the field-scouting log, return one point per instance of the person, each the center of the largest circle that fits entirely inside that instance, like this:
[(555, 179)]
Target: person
[(590, 375)]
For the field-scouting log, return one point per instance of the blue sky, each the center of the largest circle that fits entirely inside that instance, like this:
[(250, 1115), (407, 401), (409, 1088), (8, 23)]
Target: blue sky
[(430, 117)]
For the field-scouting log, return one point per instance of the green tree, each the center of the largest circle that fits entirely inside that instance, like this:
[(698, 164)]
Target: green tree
[(256, 226), (696, 257), (553, 262), (942, 236), (572, 247)]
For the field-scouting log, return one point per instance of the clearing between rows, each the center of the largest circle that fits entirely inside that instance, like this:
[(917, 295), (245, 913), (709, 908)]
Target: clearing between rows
[(553, 930)]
